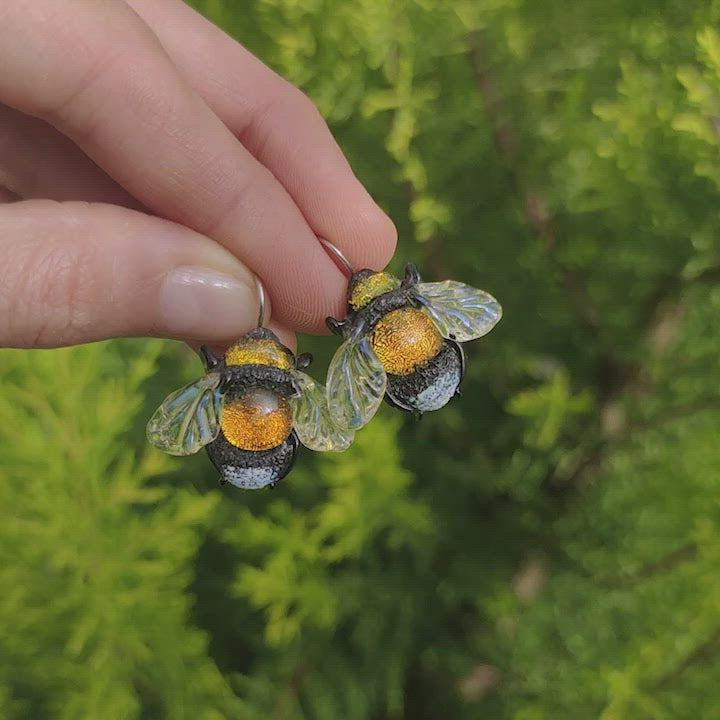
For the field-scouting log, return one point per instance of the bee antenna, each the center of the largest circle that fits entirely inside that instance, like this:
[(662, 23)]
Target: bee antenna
[(339, 255), (261, 301)]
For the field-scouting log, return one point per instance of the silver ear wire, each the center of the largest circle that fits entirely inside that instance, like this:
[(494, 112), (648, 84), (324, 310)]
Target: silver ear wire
[(261, 301), (339, 255)]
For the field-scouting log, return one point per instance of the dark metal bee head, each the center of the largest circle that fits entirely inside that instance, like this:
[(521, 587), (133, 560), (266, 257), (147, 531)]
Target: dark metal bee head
[(402, 342)]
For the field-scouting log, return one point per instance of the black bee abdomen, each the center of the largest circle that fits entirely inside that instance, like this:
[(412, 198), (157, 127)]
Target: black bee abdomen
[(253, 469), (431, 385)]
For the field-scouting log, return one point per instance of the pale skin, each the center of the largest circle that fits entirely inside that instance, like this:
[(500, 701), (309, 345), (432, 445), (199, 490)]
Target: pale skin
[(150, 166)]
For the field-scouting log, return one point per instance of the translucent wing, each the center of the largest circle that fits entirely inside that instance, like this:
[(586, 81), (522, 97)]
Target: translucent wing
[(459, 311), (312, 421), (355, 384), (189, 418)]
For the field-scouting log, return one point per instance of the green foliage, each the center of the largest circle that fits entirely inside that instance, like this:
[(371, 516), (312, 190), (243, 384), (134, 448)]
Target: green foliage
[(96, 552), (547, 545)]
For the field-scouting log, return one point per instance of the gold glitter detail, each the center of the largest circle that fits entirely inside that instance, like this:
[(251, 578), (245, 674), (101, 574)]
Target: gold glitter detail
[(260, 420), (263, 351), (370, 287), (404, 339)]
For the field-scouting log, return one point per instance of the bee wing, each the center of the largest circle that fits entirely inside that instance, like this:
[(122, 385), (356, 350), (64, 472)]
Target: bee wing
[(356, 384), (189, 418), (460, 312), (311, 418)]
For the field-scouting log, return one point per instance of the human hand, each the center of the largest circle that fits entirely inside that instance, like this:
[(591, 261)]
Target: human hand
[(158, 164)]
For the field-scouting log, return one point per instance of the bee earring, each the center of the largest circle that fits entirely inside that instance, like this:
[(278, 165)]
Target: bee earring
[(251, 411), (402, 342)]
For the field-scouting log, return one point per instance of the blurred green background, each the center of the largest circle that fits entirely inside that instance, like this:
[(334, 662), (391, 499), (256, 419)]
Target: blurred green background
[(547, 546)]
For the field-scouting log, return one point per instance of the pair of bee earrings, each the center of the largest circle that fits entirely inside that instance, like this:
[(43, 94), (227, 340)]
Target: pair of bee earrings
[(256, 405)]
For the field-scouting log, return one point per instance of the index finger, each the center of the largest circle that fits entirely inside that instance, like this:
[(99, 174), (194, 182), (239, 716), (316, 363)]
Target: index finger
[(280, 126), (96, 72)]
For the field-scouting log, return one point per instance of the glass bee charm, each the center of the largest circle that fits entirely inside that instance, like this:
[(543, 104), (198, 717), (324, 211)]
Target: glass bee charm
[(251, 411), (402, 341)]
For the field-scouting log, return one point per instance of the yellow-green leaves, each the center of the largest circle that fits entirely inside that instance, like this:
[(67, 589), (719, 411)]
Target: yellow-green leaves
[(96, 550), (366, 500), (548, 408)]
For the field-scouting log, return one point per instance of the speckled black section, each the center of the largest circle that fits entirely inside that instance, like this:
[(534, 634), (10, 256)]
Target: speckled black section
[(402, 389), (237, 379), (278, 460), (363, 321), (383, 304)]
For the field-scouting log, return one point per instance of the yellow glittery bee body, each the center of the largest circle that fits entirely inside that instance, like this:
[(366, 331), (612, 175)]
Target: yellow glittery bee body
[(251, 412), (402, 342)]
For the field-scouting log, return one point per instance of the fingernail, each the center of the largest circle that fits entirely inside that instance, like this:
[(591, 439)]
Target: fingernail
[(197, 302)]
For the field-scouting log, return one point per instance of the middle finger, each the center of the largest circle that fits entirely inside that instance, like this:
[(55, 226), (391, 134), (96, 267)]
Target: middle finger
[(121, 100)]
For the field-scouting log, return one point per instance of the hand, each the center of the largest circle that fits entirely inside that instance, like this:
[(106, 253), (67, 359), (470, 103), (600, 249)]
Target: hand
[(172, 164)]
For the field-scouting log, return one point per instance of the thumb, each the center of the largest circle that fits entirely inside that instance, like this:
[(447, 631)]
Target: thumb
[(75, 272)]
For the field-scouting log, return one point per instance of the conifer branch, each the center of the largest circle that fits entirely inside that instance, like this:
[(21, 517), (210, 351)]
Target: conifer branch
[(703, 653), (663, 565), (537, 215)]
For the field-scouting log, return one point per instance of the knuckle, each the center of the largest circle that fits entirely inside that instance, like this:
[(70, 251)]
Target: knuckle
[(302, 103), (109, 75), (52, 294), (82, 95), (225, 212), (283, 101)]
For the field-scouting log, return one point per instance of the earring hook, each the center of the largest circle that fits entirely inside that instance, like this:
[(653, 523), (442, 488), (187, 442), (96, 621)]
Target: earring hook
[(339, 255), (261, 301)]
